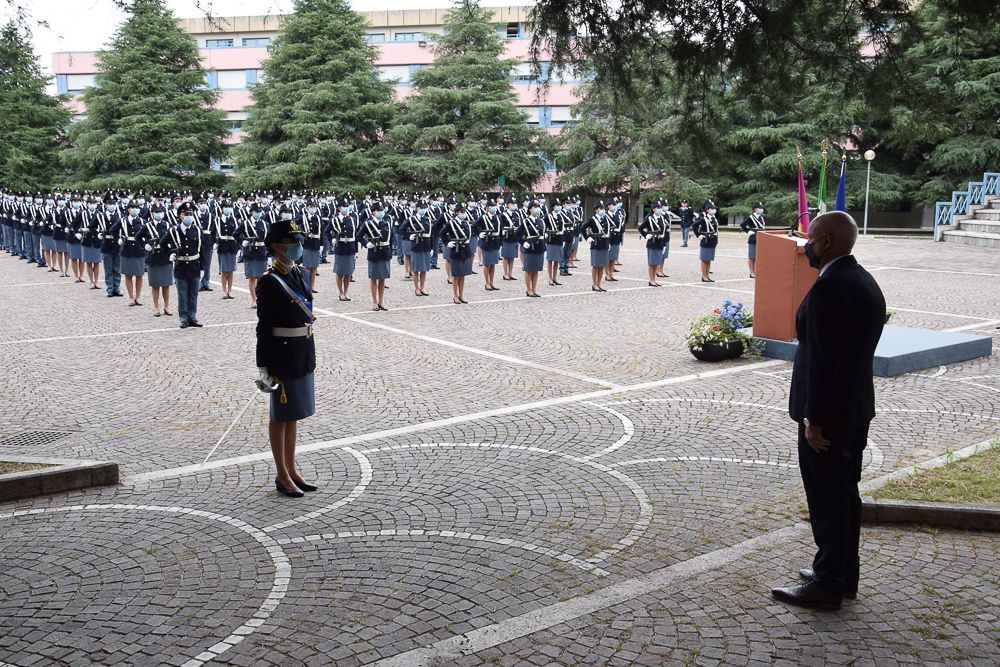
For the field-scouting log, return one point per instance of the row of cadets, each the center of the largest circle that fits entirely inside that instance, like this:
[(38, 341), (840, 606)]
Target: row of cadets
[(456, 235), (752, 224), (706, 228), (596, 230), (655, 228)]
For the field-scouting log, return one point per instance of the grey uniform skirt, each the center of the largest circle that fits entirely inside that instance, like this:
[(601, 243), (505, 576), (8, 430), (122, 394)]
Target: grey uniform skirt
[(509, 250), (161, 275), (300, 399), (407, 247), (751, 251), (48, 243), (378, 269), (446, 253), (707, 254), (534, 261), (227, 261), (254, 268), (75, 250), (613, 252), (91, 255), (654, 256), (420, 261), (61, 245), (134, 266), (461, 267), (553, 253), (491, 257), (310, 258), (343, 265), (598, 258)]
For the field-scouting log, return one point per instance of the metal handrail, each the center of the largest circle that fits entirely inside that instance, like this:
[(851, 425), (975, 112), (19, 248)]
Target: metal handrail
[(961, 201)]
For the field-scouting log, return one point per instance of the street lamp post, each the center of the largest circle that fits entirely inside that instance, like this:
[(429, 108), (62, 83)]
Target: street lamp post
[(869, 155)]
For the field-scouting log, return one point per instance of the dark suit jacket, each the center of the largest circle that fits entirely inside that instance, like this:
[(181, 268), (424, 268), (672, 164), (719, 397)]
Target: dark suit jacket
[(838, 326)]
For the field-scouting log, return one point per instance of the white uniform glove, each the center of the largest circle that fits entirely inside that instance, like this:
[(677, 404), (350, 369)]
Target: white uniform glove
[(265, 382), (321, 249), (246, 243), (482, 235), (215, 246), (79, 235), (173, 257), (149, 248), (526, 245), (649, 237), (413, 237), (451, 244), (369, 245), (121, 241)]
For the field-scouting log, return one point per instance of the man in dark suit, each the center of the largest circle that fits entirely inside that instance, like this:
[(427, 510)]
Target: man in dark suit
[(833, 400)]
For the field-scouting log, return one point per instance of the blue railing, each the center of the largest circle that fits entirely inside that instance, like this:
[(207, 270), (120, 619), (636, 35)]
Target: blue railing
[(945, 212)]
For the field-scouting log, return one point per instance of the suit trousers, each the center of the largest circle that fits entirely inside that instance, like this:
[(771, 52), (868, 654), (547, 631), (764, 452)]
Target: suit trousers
[(831, 481), (187, 299)]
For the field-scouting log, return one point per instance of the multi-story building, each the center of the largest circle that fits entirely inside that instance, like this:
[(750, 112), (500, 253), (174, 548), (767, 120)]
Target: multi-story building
[(233, 48)]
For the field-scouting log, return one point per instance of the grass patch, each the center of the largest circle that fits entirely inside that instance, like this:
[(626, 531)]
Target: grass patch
[(10, 466), (972, 480)]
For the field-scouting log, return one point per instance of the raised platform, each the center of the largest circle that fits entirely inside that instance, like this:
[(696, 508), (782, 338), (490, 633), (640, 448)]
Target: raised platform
[(904, 349)]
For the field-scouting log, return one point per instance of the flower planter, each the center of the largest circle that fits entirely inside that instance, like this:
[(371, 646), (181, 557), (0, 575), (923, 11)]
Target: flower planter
[(718, 351)]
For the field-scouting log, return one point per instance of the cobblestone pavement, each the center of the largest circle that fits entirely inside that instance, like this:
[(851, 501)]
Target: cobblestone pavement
[(517, 481)]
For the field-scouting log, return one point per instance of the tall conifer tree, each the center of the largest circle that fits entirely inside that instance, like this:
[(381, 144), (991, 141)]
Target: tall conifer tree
[(149, 118), (461, 129), (320, 115), (31, 121)]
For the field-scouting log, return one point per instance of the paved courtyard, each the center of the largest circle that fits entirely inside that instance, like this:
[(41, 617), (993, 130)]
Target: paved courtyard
[(516, 481)]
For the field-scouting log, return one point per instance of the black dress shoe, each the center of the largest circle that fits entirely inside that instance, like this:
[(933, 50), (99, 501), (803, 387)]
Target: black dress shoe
[(184, 325), (808, 594), (167, 313), (707, 280), (196, 323), (305, 486), (117, 294), (850, 590), (293, 492), (209, 289)]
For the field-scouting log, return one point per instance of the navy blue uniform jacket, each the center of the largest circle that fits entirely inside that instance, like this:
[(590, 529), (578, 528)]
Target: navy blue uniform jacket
[(284, 357)]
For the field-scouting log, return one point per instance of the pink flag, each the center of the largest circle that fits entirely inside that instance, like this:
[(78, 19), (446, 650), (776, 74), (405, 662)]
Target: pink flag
[(803, 220)]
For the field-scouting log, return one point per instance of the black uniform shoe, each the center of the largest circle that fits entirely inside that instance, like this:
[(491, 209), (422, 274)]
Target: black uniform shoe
[(293, 492), (207, 289), (850, 590), (808, 594), (305, 486), (184, 325), (196, 323)]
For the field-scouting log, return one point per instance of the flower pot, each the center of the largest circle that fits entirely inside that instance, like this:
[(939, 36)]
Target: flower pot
[(718, 351)]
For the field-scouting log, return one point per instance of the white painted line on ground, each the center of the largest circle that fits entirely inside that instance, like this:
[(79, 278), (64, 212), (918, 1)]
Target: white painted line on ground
[(120, 333), (710, 459), (987, 323), (480, 352), (447, 650), (443, 423), (626, 436)]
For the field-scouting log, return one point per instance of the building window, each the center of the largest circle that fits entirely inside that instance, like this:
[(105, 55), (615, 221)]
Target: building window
[(256, 41), (376, 37), (406, 36), (390, 72), (232, 79), (560, 115), (522, 73), (533, 116), (513, 30), (218, 43), (77, 82)]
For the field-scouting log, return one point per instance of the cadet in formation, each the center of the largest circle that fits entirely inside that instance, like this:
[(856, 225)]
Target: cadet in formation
[(752, 224)]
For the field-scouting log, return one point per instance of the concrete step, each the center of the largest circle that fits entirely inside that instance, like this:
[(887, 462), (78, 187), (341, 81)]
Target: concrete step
[(978, 224), (987, 214), (981, 239)]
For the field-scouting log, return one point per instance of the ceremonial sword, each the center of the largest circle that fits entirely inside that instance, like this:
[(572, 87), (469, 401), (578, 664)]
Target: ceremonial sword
[(261, 387)]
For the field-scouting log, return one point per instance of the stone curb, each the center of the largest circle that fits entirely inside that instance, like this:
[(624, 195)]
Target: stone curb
[(961, 516), (65, 475)]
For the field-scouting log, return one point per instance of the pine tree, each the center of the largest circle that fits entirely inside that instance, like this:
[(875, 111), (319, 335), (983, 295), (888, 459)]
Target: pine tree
[(319, 117), (149, 120), (31, 121), (461, 129), (947, 119)]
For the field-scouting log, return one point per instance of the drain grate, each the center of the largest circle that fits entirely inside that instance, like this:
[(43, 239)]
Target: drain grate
[(33, 438)]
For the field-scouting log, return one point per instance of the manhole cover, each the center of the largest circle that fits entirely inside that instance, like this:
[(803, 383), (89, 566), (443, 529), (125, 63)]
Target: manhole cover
[(33, 438)]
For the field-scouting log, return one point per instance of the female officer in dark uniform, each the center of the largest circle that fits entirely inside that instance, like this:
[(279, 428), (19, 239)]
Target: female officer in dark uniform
[(456, 234), (158, 265), (376, 234), (286, 351), (488, 229), (596, 231), (531, 234), (706, 228), (752, 224), (655, 228), (250, 235)]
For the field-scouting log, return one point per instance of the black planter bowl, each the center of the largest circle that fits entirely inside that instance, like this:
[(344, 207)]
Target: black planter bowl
[(718, 351)]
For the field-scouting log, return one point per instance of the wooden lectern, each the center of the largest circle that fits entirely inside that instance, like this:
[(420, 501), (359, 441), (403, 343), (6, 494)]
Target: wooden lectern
[(783, 279)]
